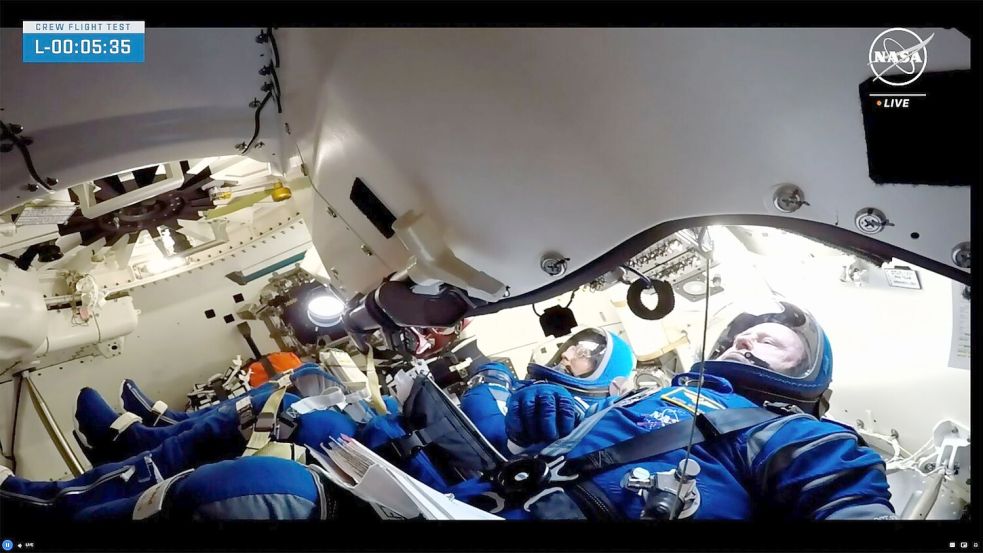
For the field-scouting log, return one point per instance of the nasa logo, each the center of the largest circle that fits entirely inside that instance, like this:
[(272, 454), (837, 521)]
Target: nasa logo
[(898, 48), (659, 418)]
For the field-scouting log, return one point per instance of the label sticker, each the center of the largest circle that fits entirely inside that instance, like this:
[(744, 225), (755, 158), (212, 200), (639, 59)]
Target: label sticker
[(45, 215), (903, 277)]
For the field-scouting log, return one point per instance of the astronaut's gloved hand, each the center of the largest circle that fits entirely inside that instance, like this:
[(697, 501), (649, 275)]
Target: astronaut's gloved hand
[(541, 413)]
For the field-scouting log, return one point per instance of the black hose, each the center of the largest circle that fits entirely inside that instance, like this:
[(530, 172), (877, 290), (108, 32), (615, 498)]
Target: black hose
[(259, 109), (276, 88), (7, 133), (276, 52)]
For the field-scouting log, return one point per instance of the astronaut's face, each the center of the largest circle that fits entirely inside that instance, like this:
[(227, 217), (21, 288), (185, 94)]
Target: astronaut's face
[(577, 360), (772, 343)]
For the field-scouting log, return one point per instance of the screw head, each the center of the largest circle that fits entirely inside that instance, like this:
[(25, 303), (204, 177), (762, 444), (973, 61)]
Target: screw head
[(554, 264), (259, 145), (871, 220), (366, 250), (789, 198), (240, 146), (960, 255), (254, 104), (33, 187)]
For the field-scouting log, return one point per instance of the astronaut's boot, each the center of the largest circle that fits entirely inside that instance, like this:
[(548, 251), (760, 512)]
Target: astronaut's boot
[(153, 413)]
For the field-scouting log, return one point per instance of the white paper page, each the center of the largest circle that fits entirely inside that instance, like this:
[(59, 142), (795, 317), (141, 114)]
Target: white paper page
[(451, 508), (334, 472), (379, 486)]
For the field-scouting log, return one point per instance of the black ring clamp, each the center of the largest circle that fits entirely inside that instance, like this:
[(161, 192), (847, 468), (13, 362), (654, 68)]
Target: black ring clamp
[(667, 299)]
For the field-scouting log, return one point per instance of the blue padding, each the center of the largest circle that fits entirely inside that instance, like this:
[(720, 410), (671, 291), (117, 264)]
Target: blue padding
[(245, 488), (317, 427)]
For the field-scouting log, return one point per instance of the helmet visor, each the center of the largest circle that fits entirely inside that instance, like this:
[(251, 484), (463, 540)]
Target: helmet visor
[(775, 336), (581, 354)]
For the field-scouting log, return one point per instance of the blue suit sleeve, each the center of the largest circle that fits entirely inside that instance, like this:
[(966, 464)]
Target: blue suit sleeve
[(804, 468), (486, 403)]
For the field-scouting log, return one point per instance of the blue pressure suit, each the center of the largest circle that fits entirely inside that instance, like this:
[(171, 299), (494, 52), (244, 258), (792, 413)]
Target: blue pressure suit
[(786, 463), (594, 442), (195, 461)]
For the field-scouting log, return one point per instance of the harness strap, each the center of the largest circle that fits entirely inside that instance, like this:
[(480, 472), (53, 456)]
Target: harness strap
[(151, 501), (669, 438), (410, 444), (266, 420), (123, 422), (375, 396), (268, 367)]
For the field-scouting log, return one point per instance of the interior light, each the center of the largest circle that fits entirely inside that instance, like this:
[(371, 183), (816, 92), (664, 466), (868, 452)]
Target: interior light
[(325, 309), (695, 287)]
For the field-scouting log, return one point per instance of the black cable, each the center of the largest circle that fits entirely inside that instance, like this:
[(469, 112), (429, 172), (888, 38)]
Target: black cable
[(267, 36), (276, 51), (7, 133), (13, 428), (699, 387), (259, 109), (572, 294), (648, 281), (276, 87)]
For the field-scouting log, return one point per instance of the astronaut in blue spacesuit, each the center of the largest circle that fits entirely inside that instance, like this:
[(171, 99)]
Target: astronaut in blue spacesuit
[(588, 369), (682, 451), (193, 467), (579, 448)]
